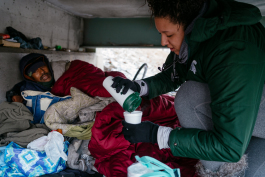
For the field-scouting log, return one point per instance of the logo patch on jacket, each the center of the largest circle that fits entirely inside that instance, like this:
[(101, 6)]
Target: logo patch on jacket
[(192, 66)]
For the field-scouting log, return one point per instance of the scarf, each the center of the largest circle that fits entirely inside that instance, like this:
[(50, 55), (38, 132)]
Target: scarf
[(183, 53)]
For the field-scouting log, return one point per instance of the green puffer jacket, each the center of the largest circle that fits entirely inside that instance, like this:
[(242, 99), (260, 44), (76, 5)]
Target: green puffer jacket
[(226, 51)]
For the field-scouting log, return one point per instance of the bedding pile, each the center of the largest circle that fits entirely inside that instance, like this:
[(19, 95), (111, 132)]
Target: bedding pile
[(79, 107), (112, 152)]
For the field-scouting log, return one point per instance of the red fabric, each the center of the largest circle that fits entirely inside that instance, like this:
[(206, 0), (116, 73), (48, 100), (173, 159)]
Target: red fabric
[(85, 77), (113, 153)]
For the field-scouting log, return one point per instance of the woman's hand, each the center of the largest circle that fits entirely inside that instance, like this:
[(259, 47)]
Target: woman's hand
[(144, 132), (119, 82)]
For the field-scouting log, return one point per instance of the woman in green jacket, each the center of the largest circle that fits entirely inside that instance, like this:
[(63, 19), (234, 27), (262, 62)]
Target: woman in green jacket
[(218, 60)]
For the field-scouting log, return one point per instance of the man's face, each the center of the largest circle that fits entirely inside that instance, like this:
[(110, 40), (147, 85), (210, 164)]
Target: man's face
[(172, 35), (42, 74)]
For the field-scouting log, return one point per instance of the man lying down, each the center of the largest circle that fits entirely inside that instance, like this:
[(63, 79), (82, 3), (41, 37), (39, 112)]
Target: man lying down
[(37, 73), (108, 123)]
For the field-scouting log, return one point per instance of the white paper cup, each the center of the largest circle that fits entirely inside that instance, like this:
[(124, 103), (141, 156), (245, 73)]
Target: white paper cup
[(134, 117)]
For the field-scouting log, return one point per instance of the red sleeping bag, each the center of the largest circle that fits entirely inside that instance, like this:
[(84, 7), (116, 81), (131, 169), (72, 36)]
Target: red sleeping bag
[(113, 153), (85, 77)]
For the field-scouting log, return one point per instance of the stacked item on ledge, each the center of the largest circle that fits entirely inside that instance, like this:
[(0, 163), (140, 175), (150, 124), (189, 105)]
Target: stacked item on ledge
[(7, 42), (25, 43)]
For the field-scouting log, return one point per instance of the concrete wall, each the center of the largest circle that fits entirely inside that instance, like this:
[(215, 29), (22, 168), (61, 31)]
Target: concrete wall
[(37, 18), (9, 65)]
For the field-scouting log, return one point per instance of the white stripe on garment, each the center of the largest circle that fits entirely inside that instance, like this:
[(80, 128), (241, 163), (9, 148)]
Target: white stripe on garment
[(143, 86), (163, 137)]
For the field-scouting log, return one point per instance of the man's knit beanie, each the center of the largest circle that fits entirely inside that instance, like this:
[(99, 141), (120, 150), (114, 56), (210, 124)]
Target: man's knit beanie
[(32, 67)]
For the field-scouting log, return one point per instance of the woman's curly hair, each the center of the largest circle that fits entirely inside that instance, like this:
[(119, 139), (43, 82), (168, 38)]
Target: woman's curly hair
[(178, 11)]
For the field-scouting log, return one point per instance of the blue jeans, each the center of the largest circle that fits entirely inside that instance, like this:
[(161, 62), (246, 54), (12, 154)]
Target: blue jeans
[(192, 104)]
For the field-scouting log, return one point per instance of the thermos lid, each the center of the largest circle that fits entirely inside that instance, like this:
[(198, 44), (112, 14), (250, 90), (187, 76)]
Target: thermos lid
[(132, 102)]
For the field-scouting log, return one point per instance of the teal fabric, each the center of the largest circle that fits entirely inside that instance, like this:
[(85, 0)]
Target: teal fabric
[(226, 51), (159, 169)]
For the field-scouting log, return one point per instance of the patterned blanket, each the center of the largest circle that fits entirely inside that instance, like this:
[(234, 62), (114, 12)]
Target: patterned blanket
[(25, 162)]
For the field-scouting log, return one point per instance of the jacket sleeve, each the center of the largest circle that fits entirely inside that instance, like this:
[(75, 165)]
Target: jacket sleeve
[(161, 83), (14, 91), (236, 83)]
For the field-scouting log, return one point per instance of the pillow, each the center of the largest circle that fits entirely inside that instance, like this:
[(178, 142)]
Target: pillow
[(38, 103), (59, 67)]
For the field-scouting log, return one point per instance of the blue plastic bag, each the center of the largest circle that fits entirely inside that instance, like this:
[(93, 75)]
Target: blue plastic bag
[(2, 155), (25, 162)]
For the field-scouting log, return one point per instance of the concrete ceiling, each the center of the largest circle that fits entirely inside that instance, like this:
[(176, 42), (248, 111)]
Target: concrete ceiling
[(118, 8), (104, 8)]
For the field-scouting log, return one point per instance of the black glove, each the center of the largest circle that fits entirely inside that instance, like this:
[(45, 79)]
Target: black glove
[(128, 84), (144, 132)]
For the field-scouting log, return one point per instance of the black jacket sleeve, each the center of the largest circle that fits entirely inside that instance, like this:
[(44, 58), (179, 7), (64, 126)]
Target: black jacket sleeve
[(14, 91)]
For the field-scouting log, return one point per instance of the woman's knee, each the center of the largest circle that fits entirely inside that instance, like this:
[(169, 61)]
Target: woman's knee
[(192, 104)]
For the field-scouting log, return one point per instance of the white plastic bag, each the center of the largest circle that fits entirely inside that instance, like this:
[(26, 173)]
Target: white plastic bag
[(38, 144), (137, 170), (51, 144), (54, 147)]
